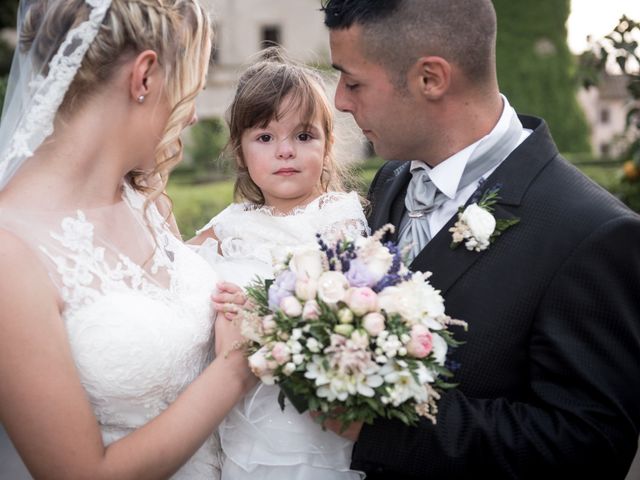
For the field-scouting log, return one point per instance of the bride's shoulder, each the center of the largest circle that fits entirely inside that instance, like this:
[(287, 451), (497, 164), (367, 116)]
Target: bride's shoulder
[(21, 267)]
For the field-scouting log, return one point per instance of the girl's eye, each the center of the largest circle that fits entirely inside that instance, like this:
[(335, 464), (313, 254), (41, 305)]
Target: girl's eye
[(304, 137), (265, 138)]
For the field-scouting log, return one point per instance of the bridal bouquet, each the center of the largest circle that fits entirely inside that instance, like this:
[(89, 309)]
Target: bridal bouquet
[(347, 330)]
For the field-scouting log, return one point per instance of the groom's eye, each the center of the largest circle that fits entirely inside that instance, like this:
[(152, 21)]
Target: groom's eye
[(351, 86)]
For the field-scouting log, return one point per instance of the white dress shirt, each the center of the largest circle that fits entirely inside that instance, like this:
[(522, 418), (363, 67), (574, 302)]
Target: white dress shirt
[(447, 174)]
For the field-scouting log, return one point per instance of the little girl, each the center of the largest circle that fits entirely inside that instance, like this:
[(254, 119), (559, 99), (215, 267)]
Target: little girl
[(288, 188)]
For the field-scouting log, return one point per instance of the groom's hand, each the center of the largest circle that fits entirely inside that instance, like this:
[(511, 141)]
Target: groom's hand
[(352, 432)]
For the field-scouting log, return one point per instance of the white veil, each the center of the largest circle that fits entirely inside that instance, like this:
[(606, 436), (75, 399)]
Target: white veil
[(41, 73)]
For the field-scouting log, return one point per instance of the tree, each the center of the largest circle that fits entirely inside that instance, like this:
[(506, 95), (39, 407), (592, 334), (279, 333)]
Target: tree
[(621, 46), (536, 71), (207, 139)]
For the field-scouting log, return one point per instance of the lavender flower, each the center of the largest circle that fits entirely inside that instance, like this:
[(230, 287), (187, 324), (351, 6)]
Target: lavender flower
[(282, 287)]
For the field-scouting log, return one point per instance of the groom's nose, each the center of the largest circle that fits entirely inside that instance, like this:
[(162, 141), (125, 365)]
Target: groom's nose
[(342, 98)]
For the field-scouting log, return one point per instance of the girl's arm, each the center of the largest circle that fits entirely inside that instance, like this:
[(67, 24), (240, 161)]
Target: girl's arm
[(45, 409)]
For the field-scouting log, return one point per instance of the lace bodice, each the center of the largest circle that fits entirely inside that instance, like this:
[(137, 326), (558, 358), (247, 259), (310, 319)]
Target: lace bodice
[(138, 317), (246, 231)]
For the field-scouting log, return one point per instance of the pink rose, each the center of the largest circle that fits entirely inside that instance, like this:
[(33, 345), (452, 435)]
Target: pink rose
[(311, 310), (361, 300), (281, 353), (373, 323), (421, 342)]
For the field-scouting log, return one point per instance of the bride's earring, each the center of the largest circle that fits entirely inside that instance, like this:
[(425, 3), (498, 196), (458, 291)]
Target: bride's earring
[(141, 99)]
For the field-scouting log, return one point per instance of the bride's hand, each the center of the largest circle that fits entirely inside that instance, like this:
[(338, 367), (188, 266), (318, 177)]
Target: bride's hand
[(230, 345), (229, 299)]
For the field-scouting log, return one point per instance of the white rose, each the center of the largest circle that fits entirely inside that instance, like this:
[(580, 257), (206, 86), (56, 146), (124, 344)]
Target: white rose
[(373, 323), (332, 287), (291, 306), (375, 256), (307, 263), (414, 300), (306, 288), (481, 223)]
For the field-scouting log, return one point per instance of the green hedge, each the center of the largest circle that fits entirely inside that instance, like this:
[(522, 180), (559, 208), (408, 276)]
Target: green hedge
[(195, 205), (536, 70)]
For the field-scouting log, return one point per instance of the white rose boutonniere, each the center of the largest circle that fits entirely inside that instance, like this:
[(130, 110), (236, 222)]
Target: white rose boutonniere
[(476, 227)]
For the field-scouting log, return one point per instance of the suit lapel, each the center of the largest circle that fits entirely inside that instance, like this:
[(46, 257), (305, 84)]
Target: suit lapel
[(514, 176), (389, 203)]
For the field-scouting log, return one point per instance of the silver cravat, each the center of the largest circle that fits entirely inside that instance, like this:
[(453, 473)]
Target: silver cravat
[(423, 197)]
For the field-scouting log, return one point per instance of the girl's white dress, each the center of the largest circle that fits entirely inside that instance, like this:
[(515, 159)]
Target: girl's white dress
[(137, 309), (260, 441)]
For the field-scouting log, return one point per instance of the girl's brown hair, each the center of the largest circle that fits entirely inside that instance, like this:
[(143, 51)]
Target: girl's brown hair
[(259, 99)]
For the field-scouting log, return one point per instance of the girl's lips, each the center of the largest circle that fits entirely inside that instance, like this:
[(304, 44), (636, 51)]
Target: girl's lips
[(286, 171)]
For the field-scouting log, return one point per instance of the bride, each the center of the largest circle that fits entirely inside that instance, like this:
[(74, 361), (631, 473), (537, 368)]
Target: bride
[(106, 319)]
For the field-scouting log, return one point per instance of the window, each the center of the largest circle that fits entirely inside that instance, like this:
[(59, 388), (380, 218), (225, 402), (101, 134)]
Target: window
[(605, 149), (604, 115), (270, 36)]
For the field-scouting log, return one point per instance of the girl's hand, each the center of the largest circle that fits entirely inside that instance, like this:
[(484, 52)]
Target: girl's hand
[(229, 299)]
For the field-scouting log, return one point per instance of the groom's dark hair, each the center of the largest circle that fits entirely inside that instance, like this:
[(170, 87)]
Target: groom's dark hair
[(398, 32)]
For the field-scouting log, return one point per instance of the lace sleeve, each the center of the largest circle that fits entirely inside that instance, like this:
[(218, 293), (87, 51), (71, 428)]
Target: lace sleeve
[(341, 213), (219, 218)]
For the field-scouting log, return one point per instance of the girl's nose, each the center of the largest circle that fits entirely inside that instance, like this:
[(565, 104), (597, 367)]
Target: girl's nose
[(285, 150)]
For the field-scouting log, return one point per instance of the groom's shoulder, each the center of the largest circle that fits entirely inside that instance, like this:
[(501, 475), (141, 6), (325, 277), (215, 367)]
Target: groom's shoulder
[(563, 191), (389, 170)]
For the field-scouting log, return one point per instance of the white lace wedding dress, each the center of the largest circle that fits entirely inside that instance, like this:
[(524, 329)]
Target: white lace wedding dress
[(136, 305), (259, 440)]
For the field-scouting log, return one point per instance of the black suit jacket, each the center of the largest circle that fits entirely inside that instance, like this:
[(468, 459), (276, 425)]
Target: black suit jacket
[(549, 377)]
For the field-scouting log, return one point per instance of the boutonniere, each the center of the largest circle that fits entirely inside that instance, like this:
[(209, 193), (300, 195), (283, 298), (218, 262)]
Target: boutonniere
[(476, 227)]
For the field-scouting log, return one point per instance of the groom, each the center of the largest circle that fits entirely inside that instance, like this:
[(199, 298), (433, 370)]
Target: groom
[(549, 375)]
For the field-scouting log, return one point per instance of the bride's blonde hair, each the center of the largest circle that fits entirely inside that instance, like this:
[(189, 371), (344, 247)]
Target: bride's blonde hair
[(179, 31)]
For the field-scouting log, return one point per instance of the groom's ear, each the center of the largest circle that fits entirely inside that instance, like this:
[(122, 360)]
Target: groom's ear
[(431, 76)]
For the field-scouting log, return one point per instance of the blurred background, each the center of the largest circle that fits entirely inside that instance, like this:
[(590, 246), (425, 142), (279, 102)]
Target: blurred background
[(572, 62)]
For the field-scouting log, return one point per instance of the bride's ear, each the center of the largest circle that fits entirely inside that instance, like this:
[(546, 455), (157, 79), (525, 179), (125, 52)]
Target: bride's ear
[(430, 76), (146, 76)]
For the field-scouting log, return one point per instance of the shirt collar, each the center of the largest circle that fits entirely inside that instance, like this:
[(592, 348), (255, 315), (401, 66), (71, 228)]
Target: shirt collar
[(446, 175)]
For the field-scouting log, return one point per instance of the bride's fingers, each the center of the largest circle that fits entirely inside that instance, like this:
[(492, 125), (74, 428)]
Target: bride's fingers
[(237, 297), (226, 307)]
